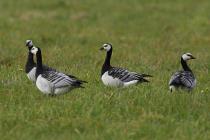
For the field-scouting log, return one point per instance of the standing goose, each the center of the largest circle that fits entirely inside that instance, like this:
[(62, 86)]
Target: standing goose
[(184, 78), (118, 77), (30, 67), (52, 82)]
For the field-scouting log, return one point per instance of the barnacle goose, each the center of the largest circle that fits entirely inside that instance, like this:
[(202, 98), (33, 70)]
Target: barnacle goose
[(52, 82), (30, 66), (184, 78), (118, 77)]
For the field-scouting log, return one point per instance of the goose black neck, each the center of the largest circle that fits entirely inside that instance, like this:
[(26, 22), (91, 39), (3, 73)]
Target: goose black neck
[(30, 64), (106, 64), (184, 65), (39, 69)]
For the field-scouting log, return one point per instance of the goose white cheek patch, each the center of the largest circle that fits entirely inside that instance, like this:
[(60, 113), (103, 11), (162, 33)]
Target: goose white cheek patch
[(185, 57), (107, 48), (34, 50), (29, 42)]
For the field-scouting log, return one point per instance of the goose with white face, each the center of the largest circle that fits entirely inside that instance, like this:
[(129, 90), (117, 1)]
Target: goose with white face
[(30, 66), (187, 56), (118, 77), (106, 47), (29, 43), (52, 82), (185, 78), (34, 50)]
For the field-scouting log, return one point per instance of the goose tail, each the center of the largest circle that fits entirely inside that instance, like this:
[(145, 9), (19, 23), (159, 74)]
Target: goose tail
[(146, 75)]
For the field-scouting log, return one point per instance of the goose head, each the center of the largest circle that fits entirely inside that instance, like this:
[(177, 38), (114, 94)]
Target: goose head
[(107, 47), (34, 50), (29, 44), (187, 56)]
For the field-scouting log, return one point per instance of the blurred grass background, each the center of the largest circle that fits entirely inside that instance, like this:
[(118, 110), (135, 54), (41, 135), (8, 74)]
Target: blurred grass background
[(147, 36)]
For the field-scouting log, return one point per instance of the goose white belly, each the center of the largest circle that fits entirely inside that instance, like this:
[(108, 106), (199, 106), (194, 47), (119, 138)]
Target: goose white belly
[(31, 75), (47, 88), (130, 83), (110, 81), (44, 85), (62, 90)]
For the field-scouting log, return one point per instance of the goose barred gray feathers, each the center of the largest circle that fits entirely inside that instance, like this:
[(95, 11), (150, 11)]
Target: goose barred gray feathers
[(185, 78), (30, 66), (52, 82), (118, 77)]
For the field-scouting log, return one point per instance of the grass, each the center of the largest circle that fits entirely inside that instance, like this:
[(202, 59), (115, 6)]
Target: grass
[(147, 36)]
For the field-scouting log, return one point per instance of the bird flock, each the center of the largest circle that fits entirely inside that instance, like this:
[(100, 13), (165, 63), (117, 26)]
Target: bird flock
[(53, 82)]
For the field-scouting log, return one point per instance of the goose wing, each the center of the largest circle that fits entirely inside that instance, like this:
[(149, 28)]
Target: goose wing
[(126, 76), (183, 78), (188, 79), (175, 78), (59, 79)]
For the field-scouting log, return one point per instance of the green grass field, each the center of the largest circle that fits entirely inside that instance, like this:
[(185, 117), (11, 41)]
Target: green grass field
[(147, 35)]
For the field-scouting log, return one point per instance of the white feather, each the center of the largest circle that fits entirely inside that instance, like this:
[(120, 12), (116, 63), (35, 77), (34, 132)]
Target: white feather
[(107, 47), (130, 83), (186, 56), (110, 81), (31, 75), (44, 85), (115, 82), (62, 90), (172, 88), (48, 88)]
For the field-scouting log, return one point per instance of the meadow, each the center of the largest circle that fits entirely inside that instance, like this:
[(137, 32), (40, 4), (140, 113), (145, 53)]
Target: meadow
[(148, 36)]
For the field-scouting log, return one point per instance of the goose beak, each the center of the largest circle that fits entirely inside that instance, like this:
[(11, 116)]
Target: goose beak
[(193, 57), (101, 49)]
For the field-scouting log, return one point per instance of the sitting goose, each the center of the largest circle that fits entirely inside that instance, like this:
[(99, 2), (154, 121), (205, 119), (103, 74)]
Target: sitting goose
[(118, 77), (184, 78), (52, 82), (30, 67)]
